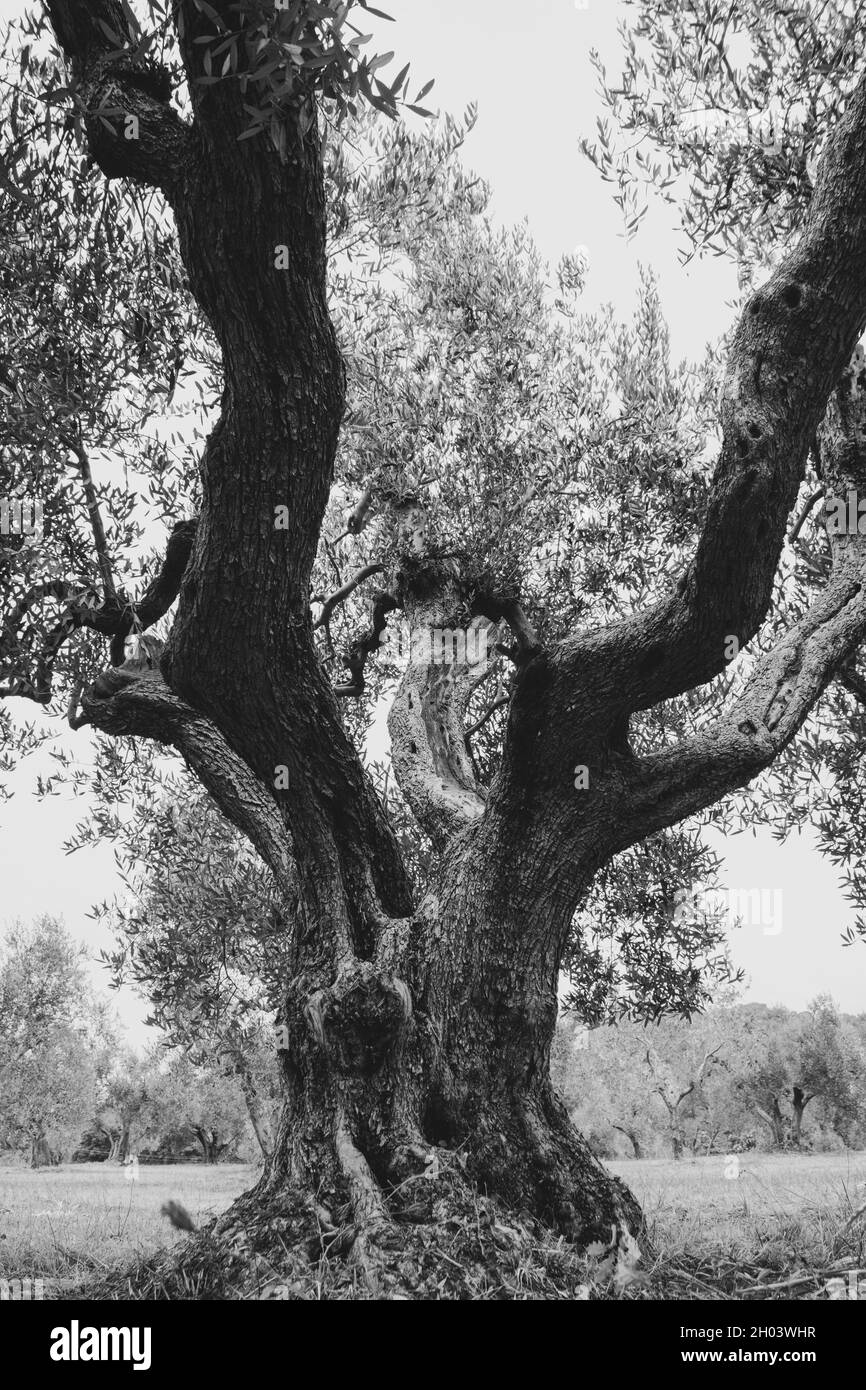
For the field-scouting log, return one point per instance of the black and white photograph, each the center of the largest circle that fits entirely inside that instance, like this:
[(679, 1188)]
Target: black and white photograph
[(432, 673)]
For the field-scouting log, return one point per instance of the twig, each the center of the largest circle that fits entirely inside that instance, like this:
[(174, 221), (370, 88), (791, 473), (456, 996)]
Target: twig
[(356, 657), (102, 555), (804, 513), (497, 704), (340, 595), (815, 1277), (693, 1279)]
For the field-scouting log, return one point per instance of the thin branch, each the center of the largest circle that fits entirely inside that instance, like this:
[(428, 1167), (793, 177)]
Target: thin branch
[(102, 556), (60, 589), (853, 682), (114, 617), (75, 720), (356, 519), (356, 657), (340, 595), (804, 513), (497, 704)]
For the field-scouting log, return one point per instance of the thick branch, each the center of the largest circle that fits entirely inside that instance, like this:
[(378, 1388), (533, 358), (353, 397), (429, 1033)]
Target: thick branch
[(788, 680), (768, 1119), (113, 616), (163, 589), (340, 595), (526, 643), (368, 642), (667, 787), (426, 721), (146, 708), (132, 130), (792, 343)]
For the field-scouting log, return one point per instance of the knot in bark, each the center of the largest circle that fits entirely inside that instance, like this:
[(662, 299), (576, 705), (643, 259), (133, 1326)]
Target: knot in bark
[(361, 1017)]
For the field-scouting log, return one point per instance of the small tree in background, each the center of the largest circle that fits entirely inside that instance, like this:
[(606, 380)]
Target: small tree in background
[(198, 1103), (122, 1103), (829, 1066), (56, 1039)]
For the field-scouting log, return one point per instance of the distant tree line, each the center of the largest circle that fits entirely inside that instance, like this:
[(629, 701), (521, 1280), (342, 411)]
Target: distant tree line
[(736, 1077), (733, 1078)]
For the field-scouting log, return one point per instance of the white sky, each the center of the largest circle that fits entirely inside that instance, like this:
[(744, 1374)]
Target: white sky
[(527, 66)]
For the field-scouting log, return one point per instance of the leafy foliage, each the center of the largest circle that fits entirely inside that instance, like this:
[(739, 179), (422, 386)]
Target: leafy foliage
[(56, 1037)]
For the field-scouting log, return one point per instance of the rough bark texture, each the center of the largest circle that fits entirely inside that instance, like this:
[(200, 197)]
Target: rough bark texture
[(420, 1034)]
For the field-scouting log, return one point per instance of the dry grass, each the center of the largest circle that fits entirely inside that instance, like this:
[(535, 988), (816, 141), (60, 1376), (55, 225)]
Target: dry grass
[(782, 1220), (82, 1220), (771, 1219)]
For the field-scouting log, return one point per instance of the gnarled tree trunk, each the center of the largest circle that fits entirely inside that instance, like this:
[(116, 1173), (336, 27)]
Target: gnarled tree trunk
[(211, 1146), (632, 1138), (119, 1150), (419, 1033), (776, 1120)]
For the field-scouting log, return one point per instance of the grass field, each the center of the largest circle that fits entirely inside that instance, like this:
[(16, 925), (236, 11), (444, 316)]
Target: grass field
[(767, 1218), (83, 1219), (716, 1228)]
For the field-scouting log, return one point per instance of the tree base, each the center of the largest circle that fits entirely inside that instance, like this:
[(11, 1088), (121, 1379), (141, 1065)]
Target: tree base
[(441, 1239)]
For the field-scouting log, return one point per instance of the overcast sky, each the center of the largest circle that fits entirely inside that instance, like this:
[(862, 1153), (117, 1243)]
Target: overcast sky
[(527, 66)]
